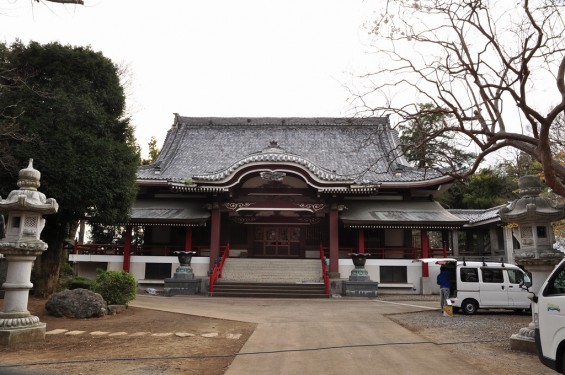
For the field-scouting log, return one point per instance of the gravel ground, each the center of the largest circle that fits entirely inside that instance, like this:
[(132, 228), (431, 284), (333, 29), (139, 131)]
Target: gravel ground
[(482, 339)]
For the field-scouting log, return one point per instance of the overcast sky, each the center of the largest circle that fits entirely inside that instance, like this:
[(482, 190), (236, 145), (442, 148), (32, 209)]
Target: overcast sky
[(213, 58)]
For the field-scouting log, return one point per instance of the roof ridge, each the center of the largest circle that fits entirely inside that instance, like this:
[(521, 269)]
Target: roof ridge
[(265, 121)]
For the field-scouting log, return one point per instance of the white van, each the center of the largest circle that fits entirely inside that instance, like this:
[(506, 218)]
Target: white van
[(549, 319), (485, 285)]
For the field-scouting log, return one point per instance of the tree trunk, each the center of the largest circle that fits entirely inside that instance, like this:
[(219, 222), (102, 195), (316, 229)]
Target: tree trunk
[(48, 265)]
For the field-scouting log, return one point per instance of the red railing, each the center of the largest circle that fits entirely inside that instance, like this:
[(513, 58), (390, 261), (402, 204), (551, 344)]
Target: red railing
[(218, 267), (112, 249), (325, 275), (395, 252)]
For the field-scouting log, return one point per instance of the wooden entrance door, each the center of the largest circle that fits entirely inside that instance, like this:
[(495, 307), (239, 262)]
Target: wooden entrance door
[(277, 241)]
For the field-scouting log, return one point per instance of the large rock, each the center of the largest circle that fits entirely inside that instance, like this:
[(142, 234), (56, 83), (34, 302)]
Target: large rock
[(76, 303)]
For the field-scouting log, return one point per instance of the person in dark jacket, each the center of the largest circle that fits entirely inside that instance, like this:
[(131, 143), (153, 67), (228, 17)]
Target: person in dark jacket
[(444, 286)]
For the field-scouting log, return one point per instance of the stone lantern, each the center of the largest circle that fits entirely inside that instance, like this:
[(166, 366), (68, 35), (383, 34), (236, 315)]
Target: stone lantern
[(21, 245), (529, 218)]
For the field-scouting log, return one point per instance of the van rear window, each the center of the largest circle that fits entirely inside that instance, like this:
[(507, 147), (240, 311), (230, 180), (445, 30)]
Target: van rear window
[(469, 275)]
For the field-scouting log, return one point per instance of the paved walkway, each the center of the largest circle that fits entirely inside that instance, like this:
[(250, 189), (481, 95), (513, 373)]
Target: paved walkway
[(333, 336)]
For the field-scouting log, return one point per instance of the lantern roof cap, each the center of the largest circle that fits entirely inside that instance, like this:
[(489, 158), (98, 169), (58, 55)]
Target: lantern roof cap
[(531, 207), (27, 197), (29, 177)]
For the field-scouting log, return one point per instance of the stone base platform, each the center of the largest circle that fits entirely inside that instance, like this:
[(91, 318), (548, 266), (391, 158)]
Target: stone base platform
[(24, 334), (176, 287), (360, 288), (524, 340), (523, 344)]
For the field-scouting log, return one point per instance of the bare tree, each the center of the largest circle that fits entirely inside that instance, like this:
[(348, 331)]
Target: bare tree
[(483, 64), (9, 128), (78, 2)]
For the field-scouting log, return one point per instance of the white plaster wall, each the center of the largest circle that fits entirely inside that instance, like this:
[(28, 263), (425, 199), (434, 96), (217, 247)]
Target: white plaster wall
[(137, 270), (413, 273), (88, 269), (415, 283), (200, 265), (115, 266)]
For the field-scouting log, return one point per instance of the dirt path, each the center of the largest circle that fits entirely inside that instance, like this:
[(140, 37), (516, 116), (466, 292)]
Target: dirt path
[(206, 340), (205, 346)]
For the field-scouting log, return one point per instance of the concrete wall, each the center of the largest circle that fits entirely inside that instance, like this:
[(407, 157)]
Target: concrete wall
[(86, 264), (415, 284)]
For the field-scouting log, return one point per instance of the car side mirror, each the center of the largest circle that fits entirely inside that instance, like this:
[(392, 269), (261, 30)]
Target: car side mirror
[(532, 297)]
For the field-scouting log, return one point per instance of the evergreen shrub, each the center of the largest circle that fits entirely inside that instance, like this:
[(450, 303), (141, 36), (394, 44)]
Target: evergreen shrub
[(116, 287), (80, 282)]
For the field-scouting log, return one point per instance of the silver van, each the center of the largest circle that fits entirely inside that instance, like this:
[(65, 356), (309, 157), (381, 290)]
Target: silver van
[(485, 285)]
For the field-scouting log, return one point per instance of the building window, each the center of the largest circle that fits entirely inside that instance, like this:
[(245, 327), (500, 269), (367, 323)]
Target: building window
[(393, 274), (157, 271)]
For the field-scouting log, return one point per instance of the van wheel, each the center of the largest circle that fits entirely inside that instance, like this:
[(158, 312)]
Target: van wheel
[(563, 362), (469, 306)]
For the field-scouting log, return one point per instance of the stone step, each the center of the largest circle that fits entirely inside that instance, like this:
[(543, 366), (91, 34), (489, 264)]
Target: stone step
[(268, 286), (272, 270), (270, 290)]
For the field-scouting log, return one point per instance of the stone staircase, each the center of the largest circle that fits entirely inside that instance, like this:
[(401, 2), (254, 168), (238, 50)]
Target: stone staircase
[(271, 278)]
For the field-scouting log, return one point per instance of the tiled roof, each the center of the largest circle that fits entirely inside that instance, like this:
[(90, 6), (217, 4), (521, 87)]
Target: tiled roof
[(416, 213), (331, 149), (168, 211), (476, 216)]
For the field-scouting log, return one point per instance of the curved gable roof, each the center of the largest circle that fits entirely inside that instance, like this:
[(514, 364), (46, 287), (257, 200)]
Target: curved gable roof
[(331, 149)]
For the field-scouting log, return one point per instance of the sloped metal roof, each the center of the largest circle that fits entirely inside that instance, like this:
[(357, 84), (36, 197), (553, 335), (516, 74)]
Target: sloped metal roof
[(416, 214), (168, 211), (330, 149), (478, 216)]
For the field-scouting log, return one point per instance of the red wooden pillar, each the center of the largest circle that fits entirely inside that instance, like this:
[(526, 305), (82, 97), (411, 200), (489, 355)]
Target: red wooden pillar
[(215, 235), (445, 242), (127, 248), (425, 239), (188, 239), (361, 240), (334, 241)]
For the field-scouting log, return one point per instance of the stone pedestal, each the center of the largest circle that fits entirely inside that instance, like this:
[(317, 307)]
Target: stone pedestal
[(360, 284), (182, 283), (16, 323), (360, 288), (524, 340)]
